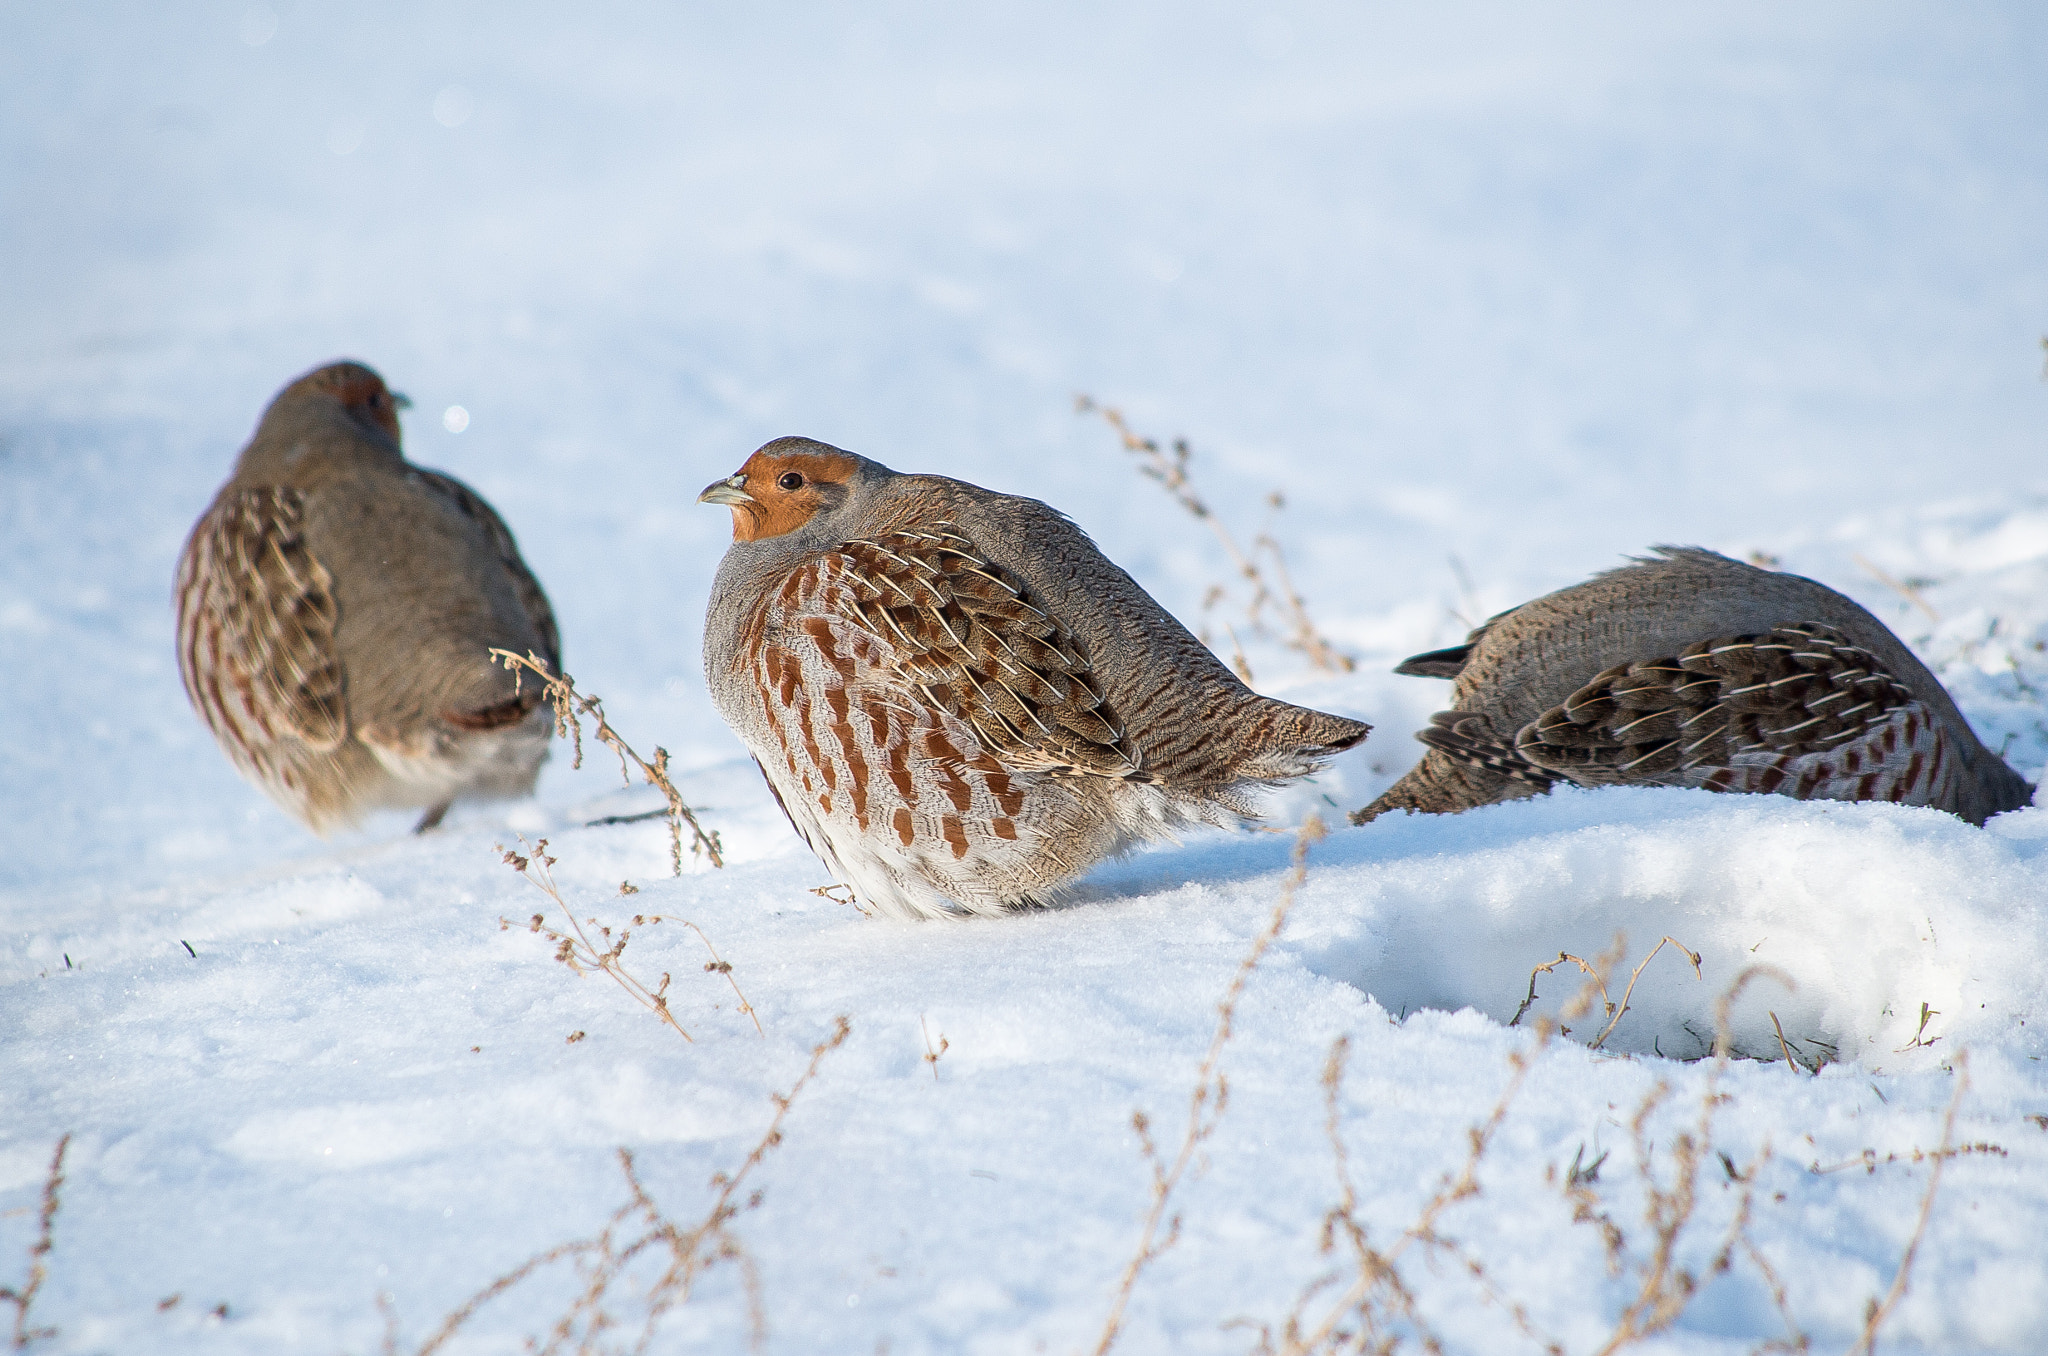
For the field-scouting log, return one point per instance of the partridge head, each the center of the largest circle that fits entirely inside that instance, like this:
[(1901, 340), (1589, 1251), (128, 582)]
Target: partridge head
[(959, 702), (1691, 669), (336, 610)]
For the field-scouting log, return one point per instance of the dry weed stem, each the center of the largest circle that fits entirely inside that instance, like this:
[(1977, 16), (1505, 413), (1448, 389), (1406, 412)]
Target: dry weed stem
[(578, 950), (38, 1254), (570, 706), (640, 1228), (1279, 592), (1877, 1312), (1597, 971), (1206, 1103)]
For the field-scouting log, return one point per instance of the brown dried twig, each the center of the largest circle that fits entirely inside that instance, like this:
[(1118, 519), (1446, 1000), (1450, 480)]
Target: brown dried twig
[(1361, 1318), (1380, 1294), (38, 1254), (931, 1054), (1378, 1310), (570, 706), (640, 1228), (578, 950), (1910, 592), (1596, 972), (1870, 1162), (1876, 1313), (1666, 1288), (1206, 1103), (1170, 469)]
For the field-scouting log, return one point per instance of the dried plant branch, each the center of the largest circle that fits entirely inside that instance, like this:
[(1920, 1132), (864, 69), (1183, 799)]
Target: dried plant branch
[(1364, 1315), (1877, 1312), (1596, 972), (1593, 976), (1206, 1103), (581, 952), (1615, 1012), (1907, 591), (1870, 1162), (717, 965), (639, 1229), (39, 1254), (570, 706), (1794, 1340), (1378, 1295), (931, 1054), (1665, 1288), (1171, 471)]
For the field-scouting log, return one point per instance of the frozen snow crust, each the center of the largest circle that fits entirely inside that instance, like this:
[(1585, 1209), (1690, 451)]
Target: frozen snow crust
[(1493, 298)]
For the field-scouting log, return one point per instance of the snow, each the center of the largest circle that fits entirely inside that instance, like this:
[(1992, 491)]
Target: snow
[(1493, 297)]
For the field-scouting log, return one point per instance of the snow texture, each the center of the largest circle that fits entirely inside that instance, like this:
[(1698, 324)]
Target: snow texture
[(1492, 296)]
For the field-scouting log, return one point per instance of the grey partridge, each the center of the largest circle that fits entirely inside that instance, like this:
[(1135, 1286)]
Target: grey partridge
[(959, 702), (1692, 669), (336, 610)]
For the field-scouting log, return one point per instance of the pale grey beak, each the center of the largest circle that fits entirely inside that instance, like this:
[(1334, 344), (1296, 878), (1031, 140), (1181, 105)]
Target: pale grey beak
[(729, 492)]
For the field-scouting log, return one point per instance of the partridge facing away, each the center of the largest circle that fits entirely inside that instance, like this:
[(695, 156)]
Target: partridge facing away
[(336, 610), (958, 701), (1692, 669)]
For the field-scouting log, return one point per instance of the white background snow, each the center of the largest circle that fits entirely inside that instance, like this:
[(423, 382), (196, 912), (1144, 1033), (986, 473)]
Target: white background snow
[(1493, 295)]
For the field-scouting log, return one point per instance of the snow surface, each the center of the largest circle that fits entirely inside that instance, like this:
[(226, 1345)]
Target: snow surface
[(1493, 296)]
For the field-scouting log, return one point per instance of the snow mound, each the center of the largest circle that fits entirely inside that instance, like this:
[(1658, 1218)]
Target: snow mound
[(1866, 911)]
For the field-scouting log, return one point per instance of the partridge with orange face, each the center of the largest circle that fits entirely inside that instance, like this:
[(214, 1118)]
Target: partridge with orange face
[(336, 610), (958, 701)]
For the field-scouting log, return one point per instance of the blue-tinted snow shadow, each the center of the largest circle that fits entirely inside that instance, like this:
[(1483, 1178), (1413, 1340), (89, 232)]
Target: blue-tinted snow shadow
[(1222, 857)]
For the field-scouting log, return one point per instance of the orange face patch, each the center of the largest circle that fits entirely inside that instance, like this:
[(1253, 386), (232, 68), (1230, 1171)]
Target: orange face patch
[(363, 392), (784, 489)]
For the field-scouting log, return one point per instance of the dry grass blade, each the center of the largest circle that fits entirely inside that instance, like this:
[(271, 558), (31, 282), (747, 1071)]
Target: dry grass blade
[(640, 1229), (38, 1254), (1878, 1312), (1171, 471), (582, 952), (1785, 1049), (1206, 1103), (570, 708)]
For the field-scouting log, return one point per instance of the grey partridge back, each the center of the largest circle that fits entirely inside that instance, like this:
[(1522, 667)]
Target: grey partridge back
[(958, 701), (336, 609), (1696, 670)]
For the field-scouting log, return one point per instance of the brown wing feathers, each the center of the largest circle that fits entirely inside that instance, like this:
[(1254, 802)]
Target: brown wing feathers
[(964, 634), (1468, 737), (1798, 689), (256, 623)]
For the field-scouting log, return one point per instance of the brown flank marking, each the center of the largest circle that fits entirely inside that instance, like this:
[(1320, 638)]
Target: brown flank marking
[(1011, 799)]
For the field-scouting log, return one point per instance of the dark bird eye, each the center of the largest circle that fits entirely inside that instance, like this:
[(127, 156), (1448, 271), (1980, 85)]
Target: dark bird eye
[(791, 480)]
